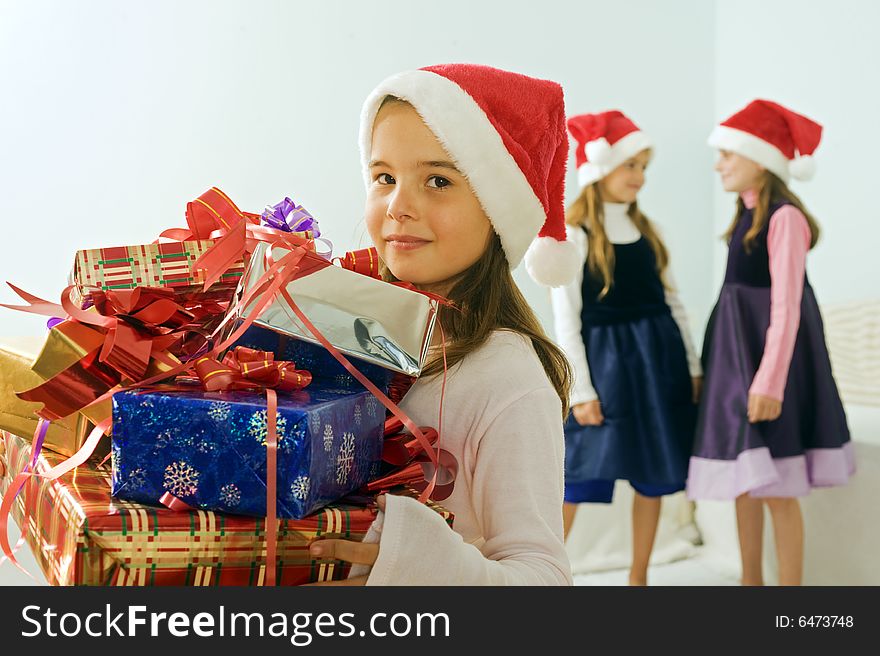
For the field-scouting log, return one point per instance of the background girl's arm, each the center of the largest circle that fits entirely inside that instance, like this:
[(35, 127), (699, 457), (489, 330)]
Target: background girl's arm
[(516, 494), (567, 302), (788, 241), (679, 314)]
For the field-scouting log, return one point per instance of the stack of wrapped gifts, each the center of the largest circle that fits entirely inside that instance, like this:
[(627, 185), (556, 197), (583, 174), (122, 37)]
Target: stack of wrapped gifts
[(171, 357)]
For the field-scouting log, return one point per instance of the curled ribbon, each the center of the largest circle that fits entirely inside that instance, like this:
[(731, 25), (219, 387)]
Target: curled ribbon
[(287, 216), (364, 261), (246, 368), (119, 337), (213, 215)]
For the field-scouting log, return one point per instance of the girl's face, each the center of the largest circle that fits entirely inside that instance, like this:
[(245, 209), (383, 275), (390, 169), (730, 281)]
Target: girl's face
[(622, 185), (738, 173), (425, 221)]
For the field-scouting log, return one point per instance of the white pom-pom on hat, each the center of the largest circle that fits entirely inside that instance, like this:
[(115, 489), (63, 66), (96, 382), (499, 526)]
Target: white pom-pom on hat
[(803, 167), (598, 151), (552, 262)]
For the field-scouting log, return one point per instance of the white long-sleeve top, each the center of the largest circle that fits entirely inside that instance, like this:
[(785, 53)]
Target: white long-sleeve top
[(502, 421), (568, 302)]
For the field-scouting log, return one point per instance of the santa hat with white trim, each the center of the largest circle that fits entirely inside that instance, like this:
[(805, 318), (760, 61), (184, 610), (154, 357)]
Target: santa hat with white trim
[(604, 142), (773, 136), (506, 133)]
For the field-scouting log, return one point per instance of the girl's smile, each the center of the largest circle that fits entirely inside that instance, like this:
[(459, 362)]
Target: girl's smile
[(405, 242)]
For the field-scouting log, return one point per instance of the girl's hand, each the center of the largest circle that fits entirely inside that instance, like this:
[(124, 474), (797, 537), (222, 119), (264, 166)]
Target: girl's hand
[(696, 388), (763, 408), (589, 413), (347, 550)]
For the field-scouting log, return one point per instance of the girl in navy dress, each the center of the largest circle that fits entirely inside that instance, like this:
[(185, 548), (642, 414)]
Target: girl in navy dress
[(771, 425), (624, 330)]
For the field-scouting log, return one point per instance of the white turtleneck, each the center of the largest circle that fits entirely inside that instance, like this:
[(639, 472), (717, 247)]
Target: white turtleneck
[(568, 301)]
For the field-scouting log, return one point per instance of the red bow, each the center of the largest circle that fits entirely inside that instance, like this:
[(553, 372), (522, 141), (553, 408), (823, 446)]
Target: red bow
[(246, 368)]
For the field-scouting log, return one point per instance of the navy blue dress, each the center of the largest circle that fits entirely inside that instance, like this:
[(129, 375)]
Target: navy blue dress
[(638, 366)]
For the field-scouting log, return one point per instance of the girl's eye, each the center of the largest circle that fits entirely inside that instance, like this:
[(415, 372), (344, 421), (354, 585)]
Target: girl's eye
[(384, 179), (439, 182)]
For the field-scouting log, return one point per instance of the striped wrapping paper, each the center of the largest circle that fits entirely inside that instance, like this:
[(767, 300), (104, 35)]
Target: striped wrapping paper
[(82, 536), (151, 265)]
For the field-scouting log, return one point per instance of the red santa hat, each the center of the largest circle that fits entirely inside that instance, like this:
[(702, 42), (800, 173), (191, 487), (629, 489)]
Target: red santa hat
[(506, 134), (604, 142), (775, 137)]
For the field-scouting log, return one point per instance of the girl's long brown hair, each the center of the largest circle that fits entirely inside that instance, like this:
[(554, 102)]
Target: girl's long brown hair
[(487, 299), (771, 190), (587, 210)]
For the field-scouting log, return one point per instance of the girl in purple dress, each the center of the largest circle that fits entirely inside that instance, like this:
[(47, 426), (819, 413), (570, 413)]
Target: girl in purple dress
[(771, 425)]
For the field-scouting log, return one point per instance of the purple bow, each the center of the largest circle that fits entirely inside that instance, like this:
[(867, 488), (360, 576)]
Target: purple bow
[(287, 216)]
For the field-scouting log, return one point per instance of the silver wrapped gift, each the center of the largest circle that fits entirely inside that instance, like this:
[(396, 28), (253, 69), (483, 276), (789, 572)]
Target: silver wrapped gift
[(364, 318)]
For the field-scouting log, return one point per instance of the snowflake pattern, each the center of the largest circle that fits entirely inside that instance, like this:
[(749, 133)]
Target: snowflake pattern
[(206, 446), (314, 420), (230, 495), (137, 477), (343, 380), (259, 430), (328, 438), (163, 439), (219, 411), (358, 415), (372, 405), (345, 459), (181, 479), (300, 488)]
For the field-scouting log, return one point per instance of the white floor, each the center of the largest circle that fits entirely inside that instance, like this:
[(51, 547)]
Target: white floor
[(698, 570)]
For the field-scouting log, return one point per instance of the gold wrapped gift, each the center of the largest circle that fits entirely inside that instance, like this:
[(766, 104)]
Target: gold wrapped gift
[(17, 355)]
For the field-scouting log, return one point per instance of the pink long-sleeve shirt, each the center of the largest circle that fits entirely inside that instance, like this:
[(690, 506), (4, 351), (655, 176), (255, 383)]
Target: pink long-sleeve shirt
[(788, 241)]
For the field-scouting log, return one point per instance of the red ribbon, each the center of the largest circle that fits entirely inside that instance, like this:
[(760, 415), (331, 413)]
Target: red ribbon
[(246, 368), (213, 215), (364, 261)]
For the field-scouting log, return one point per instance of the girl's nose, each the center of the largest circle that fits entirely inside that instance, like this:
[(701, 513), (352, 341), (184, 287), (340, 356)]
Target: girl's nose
[(401, 207)]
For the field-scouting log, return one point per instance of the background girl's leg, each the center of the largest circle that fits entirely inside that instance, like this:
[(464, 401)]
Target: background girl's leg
[(750, 526), (569, 510), (645, 515), (788, 530)]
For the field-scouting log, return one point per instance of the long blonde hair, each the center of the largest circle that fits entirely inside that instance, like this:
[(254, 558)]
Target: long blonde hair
[(587, 211), (487, 299), (771, 190)]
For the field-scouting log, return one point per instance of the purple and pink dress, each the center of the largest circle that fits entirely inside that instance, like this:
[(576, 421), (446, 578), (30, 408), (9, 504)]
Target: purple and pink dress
[(766, 336)]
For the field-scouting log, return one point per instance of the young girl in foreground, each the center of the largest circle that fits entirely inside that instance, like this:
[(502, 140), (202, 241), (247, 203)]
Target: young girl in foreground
[(465, 165), (771, 425)]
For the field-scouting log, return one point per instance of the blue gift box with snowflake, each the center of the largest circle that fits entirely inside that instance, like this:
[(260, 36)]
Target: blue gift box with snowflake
[(209, 448)]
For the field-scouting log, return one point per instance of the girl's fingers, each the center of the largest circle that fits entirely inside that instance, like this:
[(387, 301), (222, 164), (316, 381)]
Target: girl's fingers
[(351, 552), (754, 409)]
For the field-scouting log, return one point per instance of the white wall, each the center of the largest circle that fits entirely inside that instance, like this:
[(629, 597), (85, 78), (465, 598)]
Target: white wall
[(115, 114), (821, 59)]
